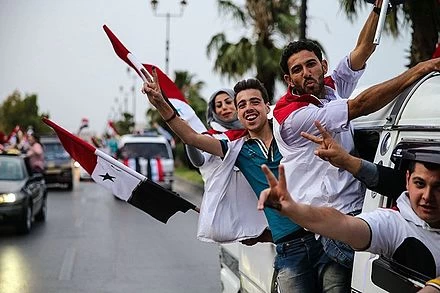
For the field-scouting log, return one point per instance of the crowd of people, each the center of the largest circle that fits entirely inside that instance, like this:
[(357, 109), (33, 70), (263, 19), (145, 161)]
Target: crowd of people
[(313, 209), (28, 143)]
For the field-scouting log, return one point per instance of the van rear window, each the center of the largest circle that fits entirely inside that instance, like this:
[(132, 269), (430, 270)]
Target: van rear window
[(145, 150)]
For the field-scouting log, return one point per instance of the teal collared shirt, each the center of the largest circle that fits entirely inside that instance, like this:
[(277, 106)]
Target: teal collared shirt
[(252, 155)]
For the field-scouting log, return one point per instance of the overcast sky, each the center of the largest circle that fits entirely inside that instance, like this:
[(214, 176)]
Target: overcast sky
[(58, 50)]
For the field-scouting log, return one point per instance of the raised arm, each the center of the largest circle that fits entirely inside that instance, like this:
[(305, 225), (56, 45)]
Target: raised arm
[(364, 46), (377, 96), (325, 221), (381, 179), (179, 126)]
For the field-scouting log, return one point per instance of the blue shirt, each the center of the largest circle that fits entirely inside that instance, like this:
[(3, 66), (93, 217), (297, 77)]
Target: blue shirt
[(252, 155)]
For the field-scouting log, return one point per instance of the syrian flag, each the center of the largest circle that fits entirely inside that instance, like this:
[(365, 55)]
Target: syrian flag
[(169, 88), (125, 183)]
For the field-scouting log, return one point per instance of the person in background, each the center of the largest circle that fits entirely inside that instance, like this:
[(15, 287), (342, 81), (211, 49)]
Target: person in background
[(221, 116), (35, 153)]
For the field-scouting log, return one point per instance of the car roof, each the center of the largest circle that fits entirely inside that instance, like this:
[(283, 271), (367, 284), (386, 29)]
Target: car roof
[(50, 139), (134, 138)]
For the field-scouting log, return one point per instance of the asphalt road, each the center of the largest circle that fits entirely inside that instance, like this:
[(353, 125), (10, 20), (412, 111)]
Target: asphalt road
[(92, 242)]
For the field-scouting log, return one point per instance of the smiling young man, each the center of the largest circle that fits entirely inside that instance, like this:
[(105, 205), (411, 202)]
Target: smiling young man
[(299, 254), (400, 233)]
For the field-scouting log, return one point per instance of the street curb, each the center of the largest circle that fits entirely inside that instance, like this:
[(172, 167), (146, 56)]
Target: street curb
[(191, 187)]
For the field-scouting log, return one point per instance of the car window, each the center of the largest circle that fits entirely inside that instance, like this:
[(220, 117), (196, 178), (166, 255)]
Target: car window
[(54, 151), (11, 168), (145, 150)]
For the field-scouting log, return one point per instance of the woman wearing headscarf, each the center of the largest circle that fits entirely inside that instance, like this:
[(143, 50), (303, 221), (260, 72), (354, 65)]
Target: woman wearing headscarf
[(221, 116)]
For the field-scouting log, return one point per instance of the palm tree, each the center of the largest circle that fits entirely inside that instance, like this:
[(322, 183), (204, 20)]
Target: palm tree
[(424, 18), (270, 20)]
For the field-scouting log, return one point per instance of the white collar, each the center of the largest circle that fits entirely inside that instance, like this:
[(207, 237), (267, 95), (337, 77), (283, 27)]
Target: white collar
[(405, 209)]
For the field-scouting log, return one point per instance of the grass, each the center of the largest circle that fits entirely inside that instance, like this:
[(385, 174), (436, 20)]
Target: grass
[(187, 174)]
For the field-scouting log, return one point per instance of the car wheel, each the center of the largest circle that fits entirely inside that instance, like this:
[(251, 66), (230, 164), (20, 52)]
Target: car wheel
[(41, 216), (25, 224)]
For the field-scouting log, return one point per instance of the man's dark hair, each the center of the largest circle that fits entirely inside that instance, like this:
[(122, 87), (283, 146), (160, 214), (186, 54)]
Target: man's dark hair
[(250, 83), (429, 166), (298, 46)]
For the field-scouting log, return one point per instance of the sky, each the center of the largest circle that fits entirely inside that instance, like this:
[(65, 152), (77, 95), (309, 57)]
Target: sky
[(58, 50)]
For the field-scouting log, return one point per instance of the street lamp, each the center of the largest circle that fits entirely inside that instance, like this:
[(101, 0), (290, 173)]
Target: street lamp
[(168, 16), (133, 91)]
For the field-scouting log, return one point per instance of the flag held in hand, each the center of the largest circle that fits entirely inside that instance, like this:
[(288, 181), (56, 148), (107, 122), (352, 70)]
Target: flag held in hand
[(169, 88), (124, 182)]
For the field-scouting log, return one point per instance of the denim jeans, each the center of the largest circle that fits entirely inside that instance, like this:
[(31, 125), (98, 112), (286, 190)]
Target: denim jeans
[(297, 263), (336, 276)]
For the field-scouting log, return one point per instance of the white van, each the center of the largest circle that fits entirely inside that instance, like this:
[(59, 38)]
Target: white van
[(412, 118), (150, 155)]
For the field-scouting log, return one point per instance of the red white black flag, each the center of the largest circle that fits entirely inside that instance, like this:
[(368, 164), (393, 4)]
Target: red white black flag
[(124, 182), (169, 88)]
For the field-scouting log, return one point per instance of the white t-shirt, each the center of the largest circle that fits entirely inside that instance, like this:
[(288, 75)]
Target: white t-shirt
[(391, 230)]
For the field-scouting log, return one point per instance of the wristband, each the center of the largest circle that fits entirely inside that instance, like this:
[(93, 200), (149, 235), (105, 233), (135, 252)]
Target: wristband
[(376, 9), (434, 283), (171, 118)]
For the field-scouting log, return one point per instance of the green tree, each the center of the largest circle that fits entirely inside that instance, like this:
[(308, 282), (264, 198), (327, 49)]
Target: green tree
[(191, 89), (424, 18), (270, 20), (126, 125), (22, 111)]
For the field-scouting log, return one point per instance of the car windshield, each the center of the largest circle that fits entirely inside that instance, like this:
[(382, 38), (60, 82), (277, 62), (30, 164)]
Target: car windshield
[(55, 151), (10, 168), (145, 150)]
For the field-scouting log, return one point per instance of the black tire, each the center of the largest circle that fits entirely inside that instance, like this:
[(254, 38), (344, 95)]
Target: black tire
[(42, 214), (25, 224)]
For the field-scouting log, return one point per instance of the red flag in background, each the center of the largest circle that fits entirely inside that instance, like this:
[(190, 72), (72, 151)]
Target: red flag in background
[(13, 133), (124, 182), (113, 129), (169, 88)]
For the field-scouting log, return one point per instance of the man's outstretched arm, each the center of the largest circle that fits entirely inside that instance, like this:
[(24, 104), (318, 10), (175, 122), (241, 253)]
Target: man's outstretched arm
[(381, 179), (325, 221), (377, 96), (364, 46), (179, 126)]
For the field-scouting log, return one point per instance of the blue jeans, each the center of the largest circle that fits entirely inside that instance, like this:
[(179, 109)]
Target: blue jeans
[(336, 276), (298, 262)]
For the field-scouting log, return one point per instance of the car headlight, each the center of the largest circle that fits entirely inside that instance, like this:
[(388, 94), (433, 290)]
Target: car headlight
[(8, 197)]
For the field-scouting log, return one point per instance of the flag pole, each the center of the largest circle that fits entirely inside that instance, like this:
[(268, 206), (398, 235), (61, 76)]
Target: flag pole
[(381, 22)]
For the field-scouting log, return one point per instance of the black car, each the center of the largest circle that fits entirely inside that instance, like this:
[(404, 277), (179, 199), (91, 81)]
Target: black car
[(58, 163), (23, 194)]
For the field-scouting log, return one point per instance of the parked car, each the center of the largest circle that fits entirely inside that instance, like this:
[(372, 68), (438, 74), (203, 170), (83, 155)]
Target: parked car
[(23, 194), (412, 118), (150, 155), (58, 163)]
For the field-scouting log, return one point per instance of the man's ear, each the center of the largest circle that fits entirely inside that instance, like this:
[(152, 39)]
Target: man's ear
[(407, 179), (324, 66), (287, 79)]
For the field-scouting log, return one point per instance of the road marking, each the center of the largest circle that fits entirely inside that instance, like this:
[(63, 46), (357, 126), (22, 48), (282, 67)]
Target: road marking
[(67, 266)]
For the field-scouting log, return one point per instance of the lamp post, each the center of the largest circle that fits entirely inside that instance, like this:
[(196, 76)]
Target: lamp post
[(168, 16), (133, 76)]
